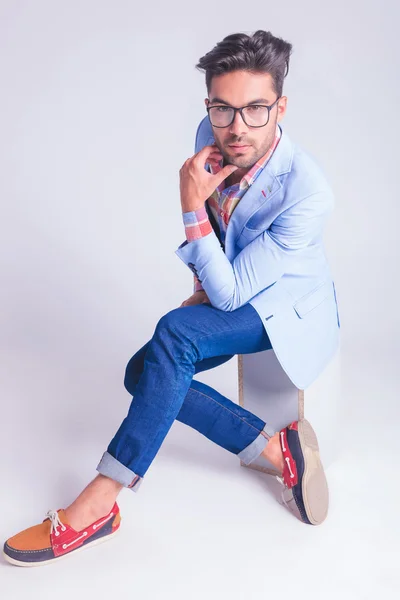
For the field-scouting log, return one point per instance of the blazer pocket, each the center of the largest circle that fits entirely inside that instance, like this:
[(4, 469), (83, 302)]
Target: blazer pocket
[(312, 299)]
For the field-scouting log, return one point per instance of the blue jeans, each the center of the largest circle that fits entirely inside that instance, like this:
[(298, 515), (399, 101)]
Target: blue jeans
[(186, 341)]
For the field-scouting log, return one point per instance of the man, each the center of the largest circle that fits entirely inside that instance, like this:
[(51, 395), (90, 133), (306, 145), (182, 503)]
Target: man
[(254, 206)]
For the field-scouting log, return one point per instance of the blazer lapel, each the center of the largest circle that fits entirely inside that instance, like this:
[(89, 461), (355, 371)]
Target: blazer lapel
[(268, 183)]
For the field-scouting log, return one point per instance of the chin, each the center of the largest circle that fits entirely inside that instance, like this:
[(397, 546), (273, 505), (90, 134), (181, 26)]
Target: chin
[(242, 163)]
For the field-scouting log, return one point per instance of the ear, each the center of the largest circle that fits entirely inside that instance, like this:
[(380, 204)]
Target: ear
[(282, 105)]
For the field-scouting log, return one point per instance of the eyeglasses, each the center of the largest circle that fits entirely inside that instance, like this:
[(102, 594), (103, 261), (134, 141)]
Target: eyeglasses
[(254, 115)]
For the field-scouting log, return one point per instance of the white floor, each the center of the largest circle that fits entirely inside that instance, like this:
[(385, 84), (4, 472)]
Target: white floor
[(201, 526)]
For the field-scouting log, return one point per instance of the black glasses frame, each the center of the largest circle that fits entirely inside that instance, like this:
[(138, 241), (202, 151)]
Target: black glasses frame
[(235, 110)]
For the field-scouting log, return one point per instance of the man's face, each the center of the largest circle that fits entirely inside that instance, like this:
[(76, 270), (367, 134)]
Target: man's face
[(237, 89)]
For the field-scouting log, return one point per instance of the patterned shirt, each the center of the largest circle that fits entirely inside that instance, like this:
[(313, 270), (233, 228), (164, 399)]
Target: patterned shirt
[(223, 202)]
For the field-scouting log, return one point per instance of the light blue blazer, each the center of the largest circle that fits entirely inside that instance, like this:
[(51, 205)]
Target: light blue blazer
[(275, 259)]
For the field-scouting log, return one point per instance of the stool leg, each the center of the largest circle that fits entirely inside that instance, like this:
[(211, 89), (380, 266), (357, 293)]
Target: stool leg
[(267, 467)]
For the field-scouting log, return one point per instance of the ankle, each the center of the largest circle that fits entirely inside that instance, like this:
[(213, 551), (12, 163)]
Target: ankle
[(273, 452), (94, 502)]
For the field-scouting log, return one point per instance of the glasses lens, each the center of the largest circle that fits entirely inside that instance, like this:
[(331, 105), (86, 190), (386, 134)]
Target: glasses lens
[(256, 116), (220, 116)]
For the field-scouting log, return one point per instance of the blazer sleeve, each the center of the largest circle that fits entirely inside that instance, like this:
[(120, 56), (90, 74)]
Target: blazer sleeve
[(264, 260)]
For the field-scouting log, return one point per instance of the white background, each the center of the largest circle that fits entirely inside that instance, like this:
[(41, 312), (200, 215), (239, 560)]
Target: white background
[(90, 221)]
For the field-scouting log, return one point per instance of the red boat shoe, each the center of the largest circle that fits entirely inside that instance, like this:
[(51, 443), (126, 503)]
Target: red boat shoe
[(55, 538), (306, 492)]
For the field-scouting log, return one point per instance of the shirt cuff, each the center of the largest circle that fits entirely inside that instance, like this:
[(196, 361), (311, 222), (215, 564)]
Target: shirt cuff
[(197, 224)]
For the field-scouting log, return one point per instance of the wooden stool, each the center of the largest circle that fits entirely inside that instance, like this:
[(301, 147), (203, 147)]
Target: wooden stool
[(266, 390)]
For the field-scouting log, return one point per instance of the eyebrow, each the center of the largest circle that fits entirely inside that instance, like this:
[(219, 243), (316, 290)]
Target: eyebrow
[(258, 101)]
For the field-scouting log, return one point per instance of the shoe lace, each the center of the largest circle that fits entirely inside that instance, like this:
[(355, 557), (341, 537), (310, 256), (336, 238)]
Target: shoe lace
[(287, 468), (55, 522)]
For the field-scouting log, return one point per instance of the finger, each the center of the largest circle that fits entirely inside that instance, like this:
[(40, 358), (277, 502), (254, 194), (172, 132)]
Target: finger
[(215, 150), (214, 159), (224, 173), (203, 154)]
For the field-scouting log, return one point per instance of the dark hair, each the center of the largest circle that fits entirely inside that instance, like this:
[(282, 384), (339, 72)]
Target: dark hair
[(260, 53)]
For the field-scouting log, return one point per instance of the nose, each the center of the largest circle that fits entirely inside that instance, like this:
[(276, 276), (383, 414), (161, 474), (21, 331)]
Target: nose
[(238, 127)]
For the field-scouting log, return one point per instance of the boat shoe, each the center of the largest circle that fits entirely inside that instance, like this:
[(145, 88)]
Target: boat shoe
[(54, 538), (305, 491)]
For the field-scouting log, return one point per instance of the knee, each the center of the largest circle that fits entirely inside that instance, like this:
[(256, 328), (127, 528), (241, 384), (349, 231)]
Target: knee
[(173, 330), (171, 322), (129, 383), (131, 377)]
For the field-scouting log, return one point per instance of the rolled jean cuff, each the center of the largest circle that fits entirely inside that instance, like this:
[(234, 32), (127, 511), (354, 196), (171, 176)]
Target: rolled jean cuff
[(253, 450), (111, 467)]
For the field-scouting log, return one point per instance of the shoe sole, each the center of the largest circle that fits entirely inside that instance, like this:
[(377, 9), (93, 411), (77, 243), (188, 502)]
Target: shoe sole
[(20, 563), (314, 485)]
